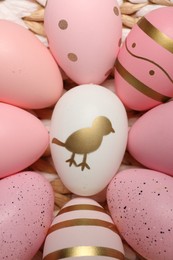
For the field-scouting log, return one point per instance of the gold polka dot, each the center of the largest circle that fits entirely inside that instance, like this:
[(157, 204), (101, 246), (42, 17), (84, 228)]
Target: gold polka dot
[(151, 72), (63, 24), (119, 42), (72, 56), (116, 10)]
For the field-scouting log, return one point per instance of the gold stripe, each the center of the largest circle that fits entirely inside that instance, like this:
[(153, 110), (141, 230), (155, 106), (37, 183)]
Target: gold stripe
[(79, 251), (83, 222), (151, 61), (159, 37), (81, 207), (139, 85)]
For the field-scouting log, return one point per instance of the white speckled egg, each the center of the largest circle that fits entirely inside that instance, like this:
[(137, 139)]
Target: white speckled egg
[(84, 37), (141, 205), (26, 208), (88, 138), (83, 230)]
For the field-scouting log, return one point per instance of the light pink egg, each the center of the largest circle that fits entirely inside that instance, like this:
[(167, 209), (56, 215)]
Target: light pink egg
[(83, 230), (84, 37), (141, 205), (143, 74), (26, 208), (150, 139), (23, 139), (29, 75)]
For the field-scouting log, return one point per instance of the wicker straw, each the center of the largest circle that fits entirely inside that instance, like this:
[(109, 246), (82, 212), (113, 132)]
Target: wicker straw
[(131, 12)]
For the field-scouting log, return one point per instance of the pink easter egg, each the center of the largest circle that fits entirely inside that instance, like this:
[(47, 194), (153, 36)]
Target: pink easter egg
[(29, 75), (23, 139), (83, 230), (141, 205), (150, 139), (26, 207), (84, 37), (143, 73)]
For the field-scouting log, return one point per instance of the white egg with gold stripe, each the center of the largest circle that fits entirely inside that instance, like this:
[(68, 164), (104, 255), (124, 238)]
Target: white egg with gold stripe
[(83, 230)]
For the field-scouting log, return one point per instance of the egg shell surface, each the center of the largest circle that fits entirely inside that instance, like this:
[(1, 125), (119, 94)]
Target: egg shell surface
[(83, 230), (141, 205), (84, 37), (23, 139), (143, 73), (26, 207), (88, 137), (29, 75), (150, 139)]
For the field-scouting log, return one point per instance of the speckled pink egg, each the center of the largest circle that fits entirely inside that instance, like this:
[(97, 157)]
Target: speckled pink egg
[(23, 139), (29, 75), (84, 37), (83, 230), (141, 205), (143, 74), (150, 139), (26, 208)]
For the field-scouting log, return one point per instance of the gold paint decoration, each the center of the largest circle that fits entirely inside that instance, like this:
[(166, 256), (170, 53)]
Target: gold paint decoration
[(137, 84), (72, 56), (86, 140), (79, 251), (116, 11), (63, 24), (83, 222), (81, 207), (155, 34)]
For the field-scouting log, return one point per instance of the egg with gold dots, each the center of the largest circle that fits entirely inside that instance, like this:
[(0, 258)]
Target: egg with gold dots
[(84, 37), (143, 69)]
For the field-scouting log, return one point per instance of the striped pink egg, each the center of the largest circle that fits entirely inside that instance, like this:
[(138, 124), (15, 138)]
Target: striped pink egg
[(84, 230), (143, 74)]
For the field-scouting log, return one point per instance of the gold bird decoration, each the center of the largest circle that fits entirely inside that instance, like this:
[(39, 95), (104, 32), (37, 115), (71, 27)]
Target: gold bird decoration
[(86, 140)]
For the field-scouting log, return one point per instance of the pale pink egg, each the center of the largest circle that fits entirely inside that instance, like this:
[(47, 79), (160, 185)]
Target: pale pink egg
[(29, 75), (141, 205), (143, 73), (26, 207), (84, 37), (23, 139), (150, 139), (83, 230)]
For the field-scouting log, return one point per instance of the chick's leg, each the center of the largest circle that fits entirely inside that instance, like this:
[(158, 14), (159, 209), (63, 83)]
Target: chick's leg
[(72, 160), (83, 164)]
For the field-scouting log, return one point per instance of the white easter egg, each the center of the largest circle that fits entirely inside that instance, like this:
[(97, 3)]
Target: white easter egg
[(88, 137), (83, 230)]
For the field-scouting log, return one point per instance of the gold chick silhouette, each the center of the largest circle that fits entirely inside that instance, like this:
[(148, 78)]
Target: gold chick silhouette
[(86, 140)]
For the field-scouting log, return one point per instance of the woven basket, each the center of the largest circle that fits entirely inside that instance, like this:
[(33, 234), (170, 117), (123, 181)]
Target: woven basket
[(131, 12)]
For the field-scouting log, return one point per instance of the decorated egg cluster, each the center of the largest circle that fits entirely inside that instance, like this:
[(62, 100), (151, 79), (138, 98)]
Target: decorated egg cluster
[(86, 169)]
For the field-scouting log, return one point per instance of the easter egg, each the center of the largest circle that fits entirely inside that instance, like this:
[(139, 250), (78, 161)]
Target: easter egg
[(84, 37), (143, 70), (23, 139), (26, 207), (83, 230), (88, 137), (150, 139), (29, 75), (140, 202)]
